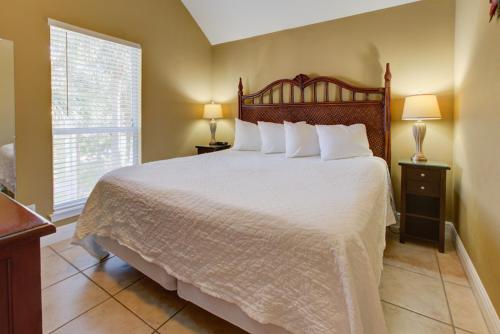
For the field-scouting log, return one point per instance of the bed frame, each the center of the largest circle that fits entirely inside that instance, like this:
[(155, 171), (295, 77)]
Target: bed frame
[(324, 100), (337, 103)]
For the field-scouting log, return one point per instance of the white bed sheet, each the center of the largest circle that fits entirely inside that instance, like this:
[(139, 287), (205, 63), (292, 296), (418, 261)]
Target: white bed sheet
[(297, 243), (8, 167)]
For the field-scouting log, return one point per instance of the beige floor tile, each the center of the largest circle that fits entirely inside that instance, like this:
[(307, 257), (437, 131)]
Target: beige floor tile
[(68, 299), (109, 317), (400, 321), (415, 292), (194, 320), (460, 331), (62, 245), (54, 269), (451, 268), (113, 275), (46, 251), (420, 258), (464, 309), (79, 257), (151, 302)]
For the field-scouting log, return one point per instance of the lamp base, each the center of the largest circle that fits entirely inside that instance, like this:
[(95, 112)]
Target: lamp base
[(419, 135), (213, 128), (418, 157)]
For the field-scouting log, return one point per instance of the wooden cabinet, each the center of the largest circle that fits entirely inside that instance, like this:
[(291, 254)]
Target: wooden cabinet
[(20, 286), (423, 201)]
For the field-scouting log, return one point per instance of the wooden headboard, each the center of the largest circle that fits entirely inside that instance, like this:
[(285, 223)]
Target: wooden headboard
[(324, 100)]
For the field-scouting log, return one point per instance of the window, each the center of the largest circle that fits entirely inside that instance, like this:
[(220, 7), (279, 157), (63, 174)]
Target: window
[(96, 102)]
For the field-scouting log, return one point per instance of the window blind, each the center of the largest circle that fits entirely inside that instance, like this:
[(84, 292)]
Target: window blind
[(95, 112)]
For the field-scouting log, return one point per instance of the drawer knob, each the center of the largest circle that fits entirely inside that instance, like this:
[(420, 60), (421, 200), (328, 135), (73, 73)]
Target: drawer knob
[(422, 174), (422, 188)]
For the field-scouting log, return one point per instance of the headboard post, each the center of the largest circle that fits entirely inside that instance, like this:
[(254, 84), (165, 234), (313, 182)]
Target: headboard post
[(387, 106), (240, 95)]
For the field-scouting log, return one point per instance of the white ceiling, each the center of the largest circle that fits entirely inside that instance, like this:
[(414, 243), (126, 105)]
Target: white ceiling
[(229, 20)]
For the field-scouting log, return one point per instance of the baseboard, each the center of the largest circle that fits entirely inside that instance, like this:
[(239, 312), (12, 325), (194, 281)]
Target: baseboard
[(484, 301), (62, 233)]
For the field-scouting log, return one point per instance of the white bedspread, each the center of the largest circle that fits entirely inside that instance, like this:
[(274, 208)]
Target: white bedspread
[(293, 242), (8, 167)]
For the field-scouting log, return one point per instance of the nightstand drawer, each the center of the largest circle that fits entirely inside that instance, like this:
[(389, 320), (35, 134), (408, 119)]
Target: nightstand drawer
[(421, 174), (423, 188)]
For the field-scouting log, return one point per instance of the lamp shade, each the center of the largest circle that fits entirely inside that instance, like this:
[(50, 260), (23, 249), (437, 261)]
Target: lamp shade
[(421, 107), (212, 110)]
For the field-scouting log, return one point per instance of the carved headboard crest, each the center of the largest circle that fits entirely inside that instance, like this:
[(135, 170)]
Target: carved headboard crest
[(301, 79)]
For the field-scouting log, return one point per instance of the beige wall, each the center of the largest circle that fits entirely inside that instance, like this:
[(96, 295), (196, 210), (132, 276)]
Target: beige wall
[(176, 78), (417, 40), (477, 139), (6, 92)]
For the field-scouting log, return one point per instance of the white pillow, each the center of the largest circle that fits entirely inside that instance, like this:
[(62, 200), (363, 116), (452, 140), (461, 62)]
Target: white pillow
[(341, 141), (272, 136), (246, 136), (301, 140)]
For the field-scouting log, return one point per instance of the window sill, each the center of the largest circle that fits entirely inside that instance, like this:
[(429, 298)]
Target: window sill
[(66, 212)]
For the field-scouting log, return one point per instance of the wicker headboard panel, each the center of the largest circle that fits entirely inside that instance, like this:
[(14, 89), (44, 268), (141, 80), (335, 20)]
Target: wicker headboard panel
[(324, 100)]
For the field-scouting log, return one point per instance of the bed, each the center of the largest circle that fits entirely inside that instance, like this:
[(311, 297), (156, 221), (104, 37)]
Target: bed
[(270, 244), (8, 168)]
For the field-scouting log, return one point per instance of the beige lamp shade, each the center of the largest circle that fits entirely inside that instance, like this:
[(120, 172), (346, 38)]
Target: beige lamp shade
[(212, 110), (421, 107)]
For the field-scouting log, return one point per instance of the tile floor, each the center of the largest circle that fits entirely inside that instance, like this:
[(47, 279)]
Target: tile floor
[(422, 291)]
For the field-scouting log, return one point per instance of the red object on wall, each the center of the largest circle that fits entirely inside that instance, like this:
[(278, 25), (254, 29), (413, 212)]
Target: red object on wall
[(493, 8)]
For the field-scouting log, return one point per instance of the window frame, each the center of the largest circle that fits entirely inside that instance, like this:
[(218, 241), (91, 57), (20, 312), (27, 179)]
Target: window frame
[(74, 207)]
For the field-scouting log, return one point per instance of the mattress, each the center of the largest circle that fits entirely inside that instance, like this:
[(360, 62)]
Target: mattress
[(295, 243), (8, 167)]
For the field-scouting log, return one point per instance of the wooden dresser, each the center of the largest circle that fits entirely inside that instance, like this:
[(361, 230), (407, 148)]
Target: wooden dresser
[(423, 201), (20, 287)]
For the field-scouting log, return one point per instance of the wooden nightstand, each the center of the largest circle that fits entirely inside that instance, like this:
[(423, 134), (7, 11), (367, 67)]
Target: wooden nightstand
[(211, 148), (423, 201)]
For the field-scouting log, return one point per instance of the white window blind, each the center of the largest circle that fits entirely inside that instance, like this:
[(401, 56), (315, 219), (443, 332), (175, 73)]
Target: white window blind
[(95, 112)]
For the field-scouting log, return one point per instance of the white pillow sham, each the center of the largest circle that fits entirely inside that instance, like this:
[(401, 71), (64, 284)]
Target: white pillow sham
[(246, 136), (301, 140), (341, 141), (272, 136)]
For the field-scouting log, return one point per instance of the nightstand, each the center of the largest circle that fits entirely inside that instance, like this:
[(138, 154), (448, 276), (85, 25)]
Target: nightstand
[(423, 201), (211, 148)]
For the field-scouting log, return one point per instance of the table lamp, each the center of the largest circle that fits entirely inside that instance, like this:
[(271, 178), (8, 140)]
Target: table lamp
[(419, 108), (212, 111)]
